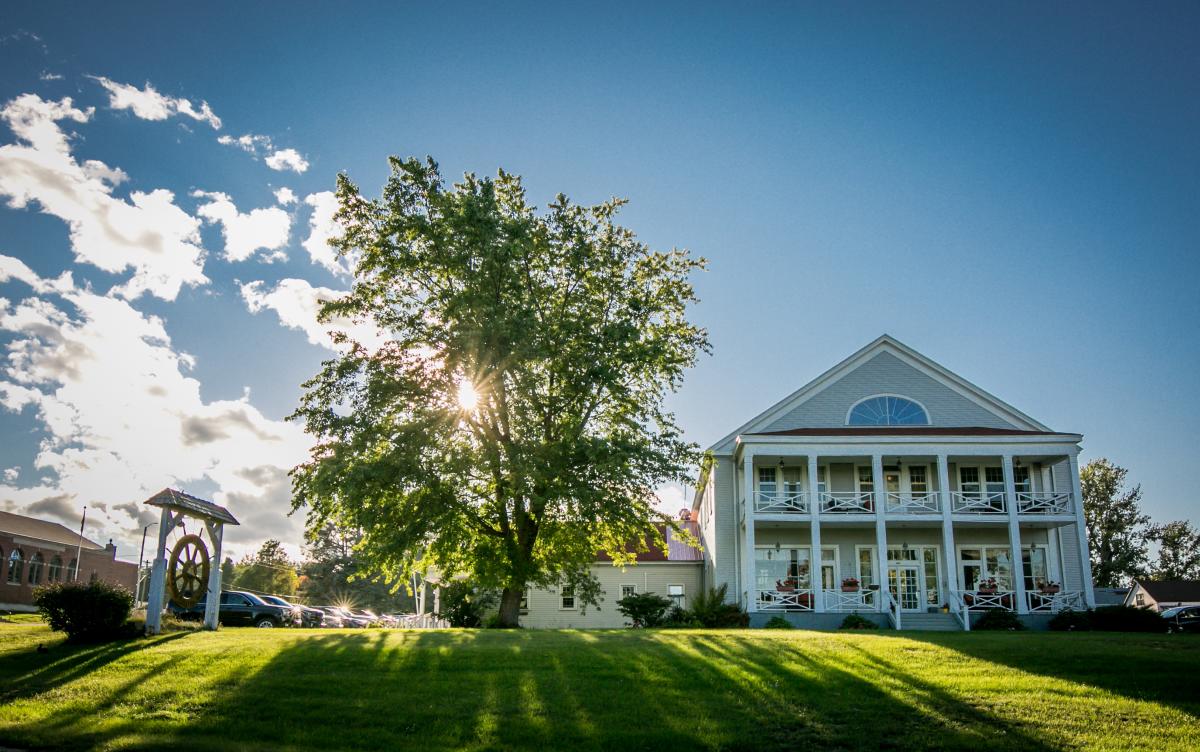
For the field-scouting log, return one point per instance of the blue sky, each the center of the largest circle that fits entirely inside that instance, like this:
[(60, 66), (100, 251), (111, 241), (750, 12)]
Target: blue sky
[(1011, 190)]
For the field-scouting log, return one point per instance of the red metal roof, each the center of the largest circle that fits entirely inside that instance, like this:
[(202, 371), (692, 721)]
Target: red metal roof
[(677, 550), (904, 431)]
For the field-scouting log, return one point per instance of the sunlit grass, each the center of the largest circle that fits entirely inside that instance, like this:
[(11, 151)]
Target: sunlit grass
[(378, 689)]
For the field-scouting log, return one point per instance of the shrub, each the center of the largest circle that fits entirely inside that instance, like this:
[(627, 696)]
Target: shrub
[(463, 605), (645, 609), (1071, 621), (1127, 619), (999, 619), (854, 621), (778, 622), (710, 610), (85, 611), (679, 618)]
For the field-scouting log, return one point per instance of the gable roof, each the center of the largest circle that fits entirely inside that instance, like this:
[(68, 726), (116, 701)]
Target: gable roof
[(883, 344), (1171, 591), (173, 499), (19, 525)]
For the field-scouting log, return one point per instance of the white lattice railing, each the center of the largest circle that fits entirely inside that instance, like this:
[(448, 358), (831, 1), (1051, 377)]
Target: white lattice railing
[(859, 600), (892, 608), (914, 503), (977, 601), (1043, 502), (977, 502), (1042, 602), (847, 502), (781, 502), (785, 600)]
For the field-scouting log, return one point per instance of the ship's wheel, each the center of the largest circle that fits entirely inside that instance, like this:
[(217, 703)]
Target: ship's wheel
[(187, 572)]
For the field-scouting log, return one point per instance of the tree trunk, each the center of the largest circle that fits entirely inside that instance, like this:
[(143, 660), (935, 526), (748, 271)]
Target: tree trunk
[(510, 606)]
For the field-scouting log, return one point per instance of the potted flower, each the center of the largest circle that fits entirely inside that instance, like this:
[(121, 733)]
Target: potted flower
[(850, 585), (785, 586), (1049, 588), (987, 587)]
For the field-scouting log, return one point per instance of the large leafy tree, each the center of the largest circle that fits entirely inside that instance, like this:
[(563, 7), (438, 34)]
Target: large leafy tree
[(1115, 523), (513, 423), (1178, 551), (332, 573), (270, 570)]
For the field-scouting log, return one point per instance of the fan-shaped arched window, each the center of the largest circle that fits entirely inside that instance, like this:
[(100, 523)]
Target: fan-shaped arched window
[(36, 563), (16, 563), (55, 572), (886, 410), (70, 573)]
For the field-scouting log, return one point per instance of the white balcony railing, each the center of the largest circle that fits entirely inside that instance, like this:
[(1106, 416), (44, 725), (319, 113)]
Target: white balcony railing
[(785, 600), (846, 602), (781, 502), (977, 502), (975, 600), (914, 503), (1043, 502), (847, 502), (1041, 602)]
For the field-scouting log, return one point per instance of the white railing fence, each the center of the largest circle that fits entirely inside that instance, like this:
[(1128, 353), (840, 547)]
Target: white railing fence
[(960, 611), (893, 608), (847, 502), (1042, 602), (421, 621), (977, 502), (781, 502), (848, 602), (1043, 502), (785, 600), (914, 503), (977, 601)]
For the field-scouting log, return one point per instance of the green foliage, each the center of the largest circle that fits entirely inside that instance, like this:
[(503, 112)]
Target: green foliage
[(998, 619), (1069, 620), (268, 571), (570, 331), (645, 609), (1178, 551), (87, 612), (778, 622), (854, 621), (1115, 524), (710, 610), (334, 573), (1127, 619), (464, 605)]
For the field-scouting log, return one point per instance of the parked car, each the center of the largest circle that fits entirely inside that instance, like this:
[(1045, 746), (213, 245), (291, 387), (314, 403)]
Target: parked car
[(331, 617), (238, 609), (350, 619), (305, 616), (1182, 619)]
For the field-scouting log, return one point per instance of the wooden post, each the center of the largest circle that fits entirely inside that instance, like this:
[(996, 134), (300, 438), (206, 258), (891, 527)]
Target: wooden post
[(1014, 536), (158, 575), (881, 553), (212, 603)]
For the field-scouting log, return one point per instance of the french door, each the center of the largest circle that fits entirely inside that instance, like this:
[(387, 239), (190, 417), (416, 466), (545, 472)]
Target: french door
[(904, 582)]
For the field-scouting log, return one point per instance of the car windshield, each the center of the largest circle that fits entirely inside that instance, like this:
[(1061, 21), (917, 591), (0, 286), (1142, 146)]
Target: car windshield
[(275, 600), (255, 599), (1171, 613)]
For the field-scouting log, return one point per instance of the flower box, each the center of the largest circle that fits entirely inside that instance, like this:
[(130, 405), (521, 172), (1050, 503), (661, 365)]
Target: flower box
[(849, 588), (1049, 589)]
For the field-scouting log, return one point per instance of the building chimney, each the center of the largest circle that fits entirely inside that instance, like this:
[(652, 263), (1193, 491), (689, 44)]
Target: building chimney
[(111, 548)]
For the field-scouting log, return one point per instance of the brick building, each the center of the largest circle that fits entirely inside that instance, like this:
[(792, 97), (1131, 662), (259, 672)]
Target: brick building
[(35, 552)]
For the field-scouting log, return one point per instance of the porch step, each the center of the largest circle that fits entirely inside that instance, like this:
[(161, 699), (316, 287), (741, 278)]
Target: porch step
[(929, 622)]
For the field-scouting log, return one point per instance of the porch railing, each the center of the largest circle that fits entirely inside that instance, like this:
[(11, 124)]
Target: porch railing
[(1042, 603), (977, 502), (785, 600), (846, 602), (975, 600), (960, 611), (892, 608), (847, 502), (914, 503), (1043, 502), (781, 502)]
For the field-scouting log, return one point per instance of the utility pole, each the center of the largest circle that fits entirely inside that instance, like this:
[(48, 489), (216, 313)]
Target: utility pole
[(142, 562), (79, 548)]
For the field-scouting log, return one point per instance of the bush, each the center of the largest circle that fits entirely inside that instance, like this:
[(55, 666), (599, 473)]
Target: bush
[(1127, 619), (710, 610), (998, 619), (85, 611), (854, 621), (778, 622), (463, 605), (679, 618), (645, 609), (1071, 621)]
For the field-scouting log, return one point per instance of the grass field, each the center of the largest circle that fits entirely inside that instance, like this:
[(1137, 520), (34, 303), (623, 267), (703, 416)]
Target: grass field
[(298, 689)]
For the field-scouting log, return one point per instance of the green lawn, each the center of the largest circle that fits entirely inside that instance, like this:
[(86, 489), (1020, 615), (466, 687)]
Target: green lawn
[(625, 690)]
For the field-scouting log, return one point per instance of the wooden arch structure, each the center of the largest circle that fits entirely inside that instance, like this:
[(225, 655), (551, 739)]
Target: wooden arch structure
[(192, 573)]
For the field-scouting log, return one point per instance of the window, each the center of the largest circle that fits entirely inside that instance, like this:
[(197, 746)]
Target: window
[(829, 567), (777, 568), (887, 411), (16, 566), (766, 480), (1037, 573), (822, 479), (55, 572), (568, 598), (36, 564), (866, 567), (866, 480), (968, 481), (628, 590), (991, 562), (791, 481), (917, 480), (1021, 480), (524, 605), (1140, 600), (994, 477), (72, 574), (675, 593)]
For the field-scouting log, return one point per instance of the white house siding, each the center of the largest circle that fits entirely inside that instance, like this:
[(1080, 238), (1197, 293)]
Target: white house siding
[(722, 553), (1072, 564), (545, 606), (885, 373)]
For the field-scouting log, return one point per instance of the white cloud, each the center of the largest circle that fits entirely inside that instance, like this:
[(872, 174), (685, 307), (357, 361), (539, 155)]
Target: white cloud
[(250, 142), (285, 196), (148, 233), (265, 228), (323, 228), (149, 104), (11, 474), (48, 76), (70, 348), (296, 303), (287, 159)]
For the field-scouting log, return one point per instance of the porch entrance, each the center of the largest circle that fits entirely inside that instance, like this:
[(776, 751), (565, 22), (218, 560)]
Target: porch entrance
[(904, 581), (913, 577)]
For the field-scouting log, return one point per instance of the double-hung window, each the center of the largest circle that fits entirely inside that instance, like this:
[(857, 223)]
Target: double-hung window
[(766, 481), (918, 484), (968, 482), (568, 598)]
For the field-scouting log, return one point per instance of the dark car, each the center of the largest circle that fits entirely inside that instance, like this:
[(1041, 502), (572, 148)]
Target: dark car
[(239, 609), (304, 616), (1182, 619)]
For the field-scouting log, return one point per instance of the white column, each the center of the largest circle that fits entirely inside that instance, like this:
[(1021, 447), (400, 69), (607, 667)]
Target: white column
[(814, 510), (1085, 557), (1014, 535), (212, 601), (814, 502), (751, 580), (158, 575), (815, 568), (949, 554), (881, 555)]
